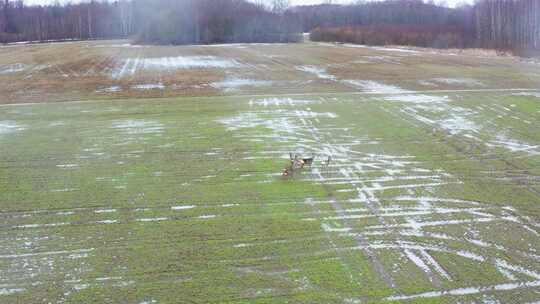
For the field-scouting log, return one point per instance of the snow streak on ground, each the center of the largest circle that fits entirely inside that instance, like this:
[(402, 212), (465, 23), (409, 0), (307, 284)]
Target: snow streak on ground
[(138, 127), (233, 84), (440, 112), (418, 229), (112, 89), (317, 71), (149, 86), (12, 68), (537, 95), (9, 127), (375, 87), (130, 66)]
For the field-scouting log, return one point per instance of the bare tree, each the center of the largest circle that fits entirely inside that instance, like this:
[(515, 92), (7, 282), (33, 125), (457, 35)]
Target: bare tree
[(280, 6)]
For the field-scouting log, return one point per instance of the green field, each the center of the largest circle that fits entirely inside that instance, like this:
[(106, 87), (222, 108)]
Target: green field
[(128, 185)]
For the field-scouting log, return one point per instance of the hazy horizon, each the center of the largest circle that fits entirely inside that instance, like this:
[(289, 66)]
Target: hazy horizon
[(293, 2)]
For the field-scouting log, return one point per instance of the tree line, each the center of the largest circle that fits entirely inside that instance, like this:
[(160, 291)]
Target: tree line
[(91, 20), (213, 21), (499, 24), (509, 25), (150, 21)]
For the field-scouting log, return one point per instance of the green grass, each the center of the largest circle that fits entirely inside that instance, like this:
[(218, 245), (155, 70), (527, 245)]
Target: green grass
[(253, 236)]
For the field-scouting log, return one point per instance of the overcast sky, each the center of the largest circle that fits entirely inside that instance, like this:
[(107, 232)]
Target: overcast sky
[(294, 2)]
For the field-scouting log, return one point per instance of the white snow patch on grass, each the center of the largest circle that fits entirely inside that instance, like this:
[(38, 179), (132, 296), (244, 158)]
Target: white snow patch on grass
[(458, 124), (153, 219), (183, 207), (328, 228), (379, 48), (317, 71), (375, 87), (130, 66), (12, 68), (467, 291), (149, 86), (233, 84), (124, 45), (9, 127), (266, 102), (138, 126), (531, 94), (10, 291), (417, 260), (418, 98), (107, 222), (513, 145), (105, 211), (68, 166), (470, 82), (112, 89)]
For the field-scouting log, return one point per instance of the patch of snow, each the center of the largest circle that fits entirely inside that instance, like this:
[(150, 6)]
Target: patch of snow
[(467, 290), (112, 89), (379, 48), (418, 98), (124, 45), (266, 102), (154, 219), (149, 86), (514, 145), (130, 66), (417, 260), (68, 166), (183, 207), (317, 71), (138, 126), (229, 205), (328, 228), (107, 222), (459, 81), (532, 94), (375, 87), (233, 84), (457, 124), (12, 68), (105, 211), (9, 127), (10, 291)]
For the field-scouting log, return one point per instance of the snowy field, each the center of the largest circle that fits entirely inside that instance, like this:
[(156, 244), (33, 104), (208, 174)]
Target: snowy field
[(154, 175)]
